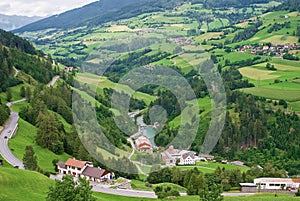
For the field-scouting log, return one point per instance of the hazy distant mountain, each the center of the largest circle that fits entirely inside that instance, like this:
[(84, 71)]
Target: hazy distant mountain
[(10, 22), (102, 11), (77, 16)]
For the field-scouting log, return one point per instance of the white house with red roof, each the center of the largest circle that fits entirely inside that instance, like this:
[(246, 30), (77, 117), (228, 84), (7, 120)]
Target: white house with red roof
[(84, 169), (188, 158), (143, 144)]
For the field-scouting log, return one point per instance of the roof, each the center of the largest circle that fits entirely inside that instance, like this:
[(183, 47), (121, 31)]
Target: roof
[(143, 141), (166, 156), (184, 156), (75, 163), (96, 173), (144, 144), (207, 156), (277, 180), (172, 151), (61, 165), (248, 185)]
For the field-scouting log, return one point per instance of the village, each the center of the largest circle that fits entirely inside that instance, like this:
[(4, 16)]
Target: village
[(268, 49)]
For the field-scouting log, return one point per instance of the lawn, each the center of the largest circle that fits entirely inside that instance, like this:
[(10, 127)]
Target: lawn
[(17, 107), (100, 82), (286, 86), (277, 94), (264, 197), (204, 104), (23, 185), (15, 91), (226, 166), (259, 197), (26, 136), (257, 74), (208, 167)]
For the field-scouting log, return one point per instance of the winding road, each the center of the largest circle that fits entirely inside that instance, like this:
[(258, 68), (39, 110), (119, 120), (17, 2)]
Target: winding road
[(10, 129)]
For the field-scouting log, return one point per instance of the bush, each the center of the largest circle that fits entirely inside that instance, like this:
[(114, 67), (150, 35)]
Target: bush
[(297, 193), (165, 191)]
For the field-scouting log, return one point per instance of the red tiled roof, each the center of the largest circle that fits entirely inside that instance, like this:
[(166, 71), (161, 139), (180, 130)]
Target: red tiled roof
[(75, 163), (296, 180), (144, 144)]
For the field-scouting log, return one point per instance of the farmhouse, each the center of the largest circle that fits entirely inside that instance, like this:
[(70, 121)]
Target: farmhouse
[(143, 144), (187, 159), (84, 169), (168, 159)]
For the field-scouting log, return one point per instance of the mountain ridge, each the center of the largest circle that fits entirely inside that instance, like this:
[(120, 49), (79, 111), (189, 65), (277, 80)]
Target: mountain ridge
[(10, 22)]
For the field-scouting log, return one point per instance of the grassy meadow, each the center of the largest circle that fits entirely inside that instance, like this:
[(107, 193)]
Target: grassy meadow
[(26, 136)]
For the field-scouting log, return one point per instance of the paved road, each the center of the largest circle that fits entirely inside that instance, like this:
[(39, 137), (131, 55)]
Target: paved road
[(9, 104), (53, 81), (237, 194), (9, 130), (125, 192)]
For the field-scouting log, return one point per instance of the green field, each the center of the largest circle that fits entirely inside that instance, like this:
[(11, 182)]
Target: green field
[(97, 82), (289, 95), (280, 84), (26, 136), (23, 185), (208, 167), (204, 104)]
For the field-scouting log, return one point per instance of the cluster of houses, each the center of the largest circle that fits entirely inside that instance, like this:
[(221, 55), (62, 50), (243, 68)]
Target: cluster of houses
[(181, 41), (84, 169), (275, 50), (271, 184), (183, 157)]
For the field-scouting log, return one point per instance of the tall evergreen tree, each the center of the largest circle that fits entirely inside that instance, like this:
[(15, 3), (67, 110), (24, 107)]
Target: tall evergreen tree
[(49, 135), (8, 94), (29, 159)]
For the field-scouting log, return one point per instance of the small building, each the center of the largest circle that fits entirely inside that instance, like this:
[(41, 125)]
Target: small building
[(73, 167), (84, 169), (143, 144), (168, 159), (206, 156), (248, 187), (237, 163), (187, 159), (277, 183), (224, 161), (97, 174)]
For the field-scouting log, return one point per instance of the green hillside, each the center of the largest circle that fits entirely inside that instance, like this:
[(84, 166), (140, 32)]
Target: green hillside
[(254, 47), (20, 185), (23, 185)]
